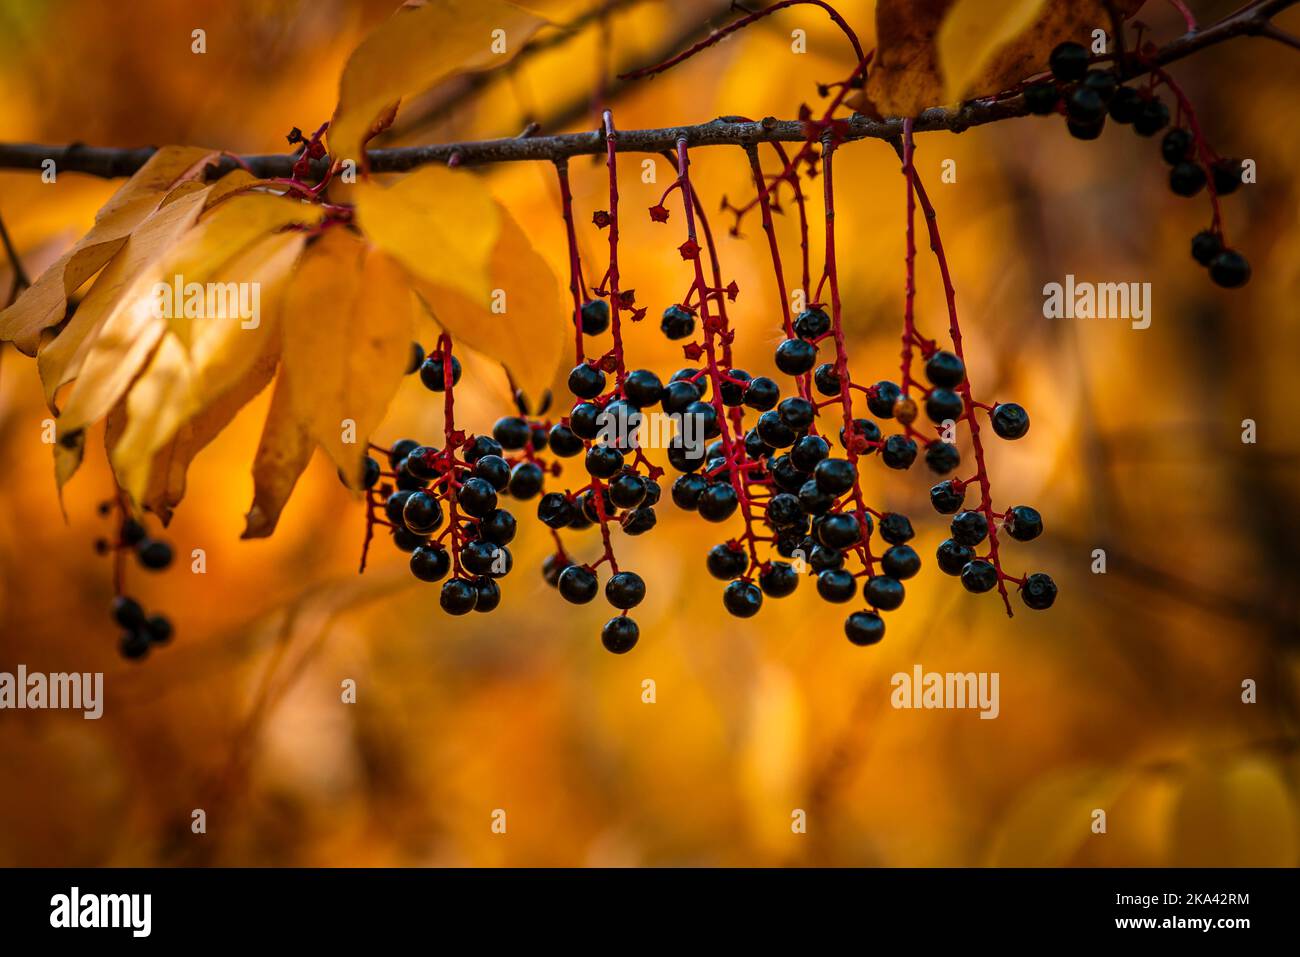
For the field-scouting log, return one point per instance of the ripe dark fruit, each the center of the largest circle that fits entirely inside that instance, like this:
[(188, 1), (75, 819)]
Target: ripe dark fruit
[(619, 635), (1125, 105), (883, 592), (1085, 129), (821, 558), (458, 596), (1068, 62), (431, 372), (839, 531), (826, 380), (485, 558), (677, 323), (796, 356), (430, 563), (679, 395), (942, 457), (834, 476), (1227, 175), (947, 497), (563, 441), (796, 412), (783, 509), (477, 497), (159, 629), (837, 585), (1085, 105), (900, 561), (487, 595), (905, 409), (881, 399), (899, 452), (1205, 246), (639, 520), (952, 557), (555, 510), (643, 388), (1041, 98), (808, 451), (498, 526), (896, 528), (586, 381), (416, 360), (1176, 146), (742, 599), (400, 450), (683, 456), (1023, 523), (733, 392), (969, 528), (494, 470), (1230, 269), (1187, 179), (761, 393), (133, 645), (625, 590), (942, 405), (687, 490), (718, 502), (1152, 117), (132, 532), (866, 436), (552, 566), (480, 446), (1010, 421), (626, 490), (727, 562), (787, 475), (812, 324), (1104, 82), (603, 461), (595, 316), (778, 579), (154, 554), (979, 576), (773, 430), (864, 628), (945, 370), (407, 540), (421, 513), (1039, 591), (525, 480), (578, 585)]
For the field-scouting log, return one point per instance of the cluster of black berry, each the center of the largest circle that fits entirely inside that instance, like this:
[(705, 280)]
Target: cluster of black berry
[(154, 554), (1087, 96)]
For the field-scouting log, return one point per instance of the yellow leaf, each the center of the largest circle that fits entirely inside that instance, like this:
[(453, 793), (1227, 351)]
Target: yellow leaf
[(60, 360), (44, 304), (282, 455), (201, 360), (440, 224), (347, 340), (411, 51), (132, 329), (972, 32)]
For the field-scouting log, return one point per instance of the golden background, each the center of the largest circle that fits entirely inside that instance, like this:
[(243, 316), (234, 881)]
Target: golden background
[(1126, 696)]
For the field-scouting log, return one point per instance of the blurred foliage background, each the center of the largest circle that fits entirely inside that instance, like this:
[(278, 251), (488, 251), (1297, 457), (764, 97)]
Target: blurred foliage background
[(1126, 696)]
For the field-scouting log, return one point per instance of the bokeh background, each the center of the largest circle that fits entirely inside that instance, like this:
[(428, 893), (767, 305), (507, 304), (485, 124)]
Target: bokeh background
[(1126, 696)]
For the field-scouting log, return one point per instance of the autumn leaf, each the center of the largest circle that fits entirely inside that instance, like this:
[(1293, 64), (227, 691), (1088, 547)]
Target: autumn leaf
[(347, 324), (45, 303), (973, 31), (414, 49), (423, 223), (282, 454)]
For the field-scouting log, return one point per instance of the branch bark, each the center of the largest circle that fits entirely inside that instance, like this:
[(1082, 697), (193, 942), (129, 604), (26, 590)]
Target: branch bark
[(1252, 20)]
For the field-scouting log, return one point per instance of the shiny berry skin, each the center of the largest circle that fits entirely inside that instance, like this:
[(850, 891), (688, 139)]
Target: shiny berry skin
[(1068, 62), (595, 316), (896, 528), (812, 323), (407, 540), (652, 492), (899, 452), (865, 434), (584, 420), (416, 360), (687, 489), (127, 612), (487, 595), (773, 430), (864, 628), (1205, 246), (639, 520), (678, 396), (787, 476), (476, 497), (498, 526), (421, 513), (881, 399), (1125, 105), (677, 323), (430, 563), (525, 480), (718, 502), (834, 476), (1010, 421), (778, 579), (563, 441), (947, 497), (431, 372), (458, 596), (1085, 130), (406, 479), (485, 558), (1176, 146), (626, 490), (762, 393), (1187, 179), (555, 510), (132, 532), (733, 393), (619, 635), (159, 629), (1152, 117), (742, 599), (1041, 98), (942, 405), (942, 457), (796, 412), (979, 576), (813, 499), (643, 388), (725, 562), (1023, 523), (1103, 82), (808, 451), (839, 531), (905, 409), (586, 381), (945, 370), (552, 566), (400, 450), (683, 456), (625, 590), (153, 553), (369, 472), (783, 509), (837, 585), (901, 562), (826, 380), (883, 592), (587, 502), (1085, 105), (820, 558), (578, 585), (706, 418), (603, 461), (133, 645), (394, 505), (969, 528), (952, 557), (494, 470), (1230, 269), (1226, 174), (480, 446), (512, 432), (1038, 591), (796, 356)]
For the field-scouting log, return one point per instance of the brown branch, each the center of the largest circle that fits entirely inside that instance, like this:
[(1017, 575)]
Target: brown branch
[(1252, 20)]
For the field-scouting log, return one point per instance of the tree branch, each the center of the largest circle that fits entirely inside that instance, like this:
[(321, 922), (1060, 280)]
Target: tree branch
[(1252, 20)]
